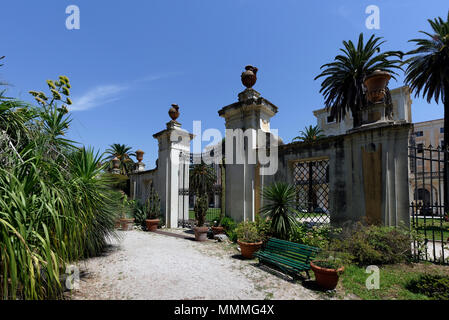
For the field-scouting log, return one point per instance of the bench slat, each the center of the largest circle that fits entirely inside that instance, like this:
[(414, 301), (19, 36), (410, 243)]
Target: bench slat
[(280, 259), (287, 255)]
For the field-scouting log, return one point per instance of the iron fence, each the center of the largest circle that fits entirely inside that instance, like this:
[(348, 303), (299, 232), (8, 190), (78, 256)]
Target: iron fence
[(428, 208), (311, 179)]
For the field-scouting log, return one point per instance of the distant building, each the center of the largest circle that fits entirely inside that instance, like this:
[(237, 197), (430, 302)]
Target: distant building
[(402, 111), (426, 180)]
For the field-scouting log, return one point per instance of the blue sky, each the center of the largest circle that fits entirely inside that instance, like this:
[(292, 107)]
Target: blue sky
[(132, 59)]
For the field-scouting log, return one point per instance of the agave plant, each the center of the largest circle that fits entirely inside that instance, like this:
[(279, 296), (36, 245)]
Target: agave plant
[(280, 208), (342, 86), (310, 134)]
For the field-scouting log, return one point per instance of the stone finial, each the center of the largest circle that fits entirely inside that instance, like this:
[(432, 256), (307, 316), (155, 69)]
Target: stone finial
[(139, 155), (249, 77), (116, 163), (174, 112)]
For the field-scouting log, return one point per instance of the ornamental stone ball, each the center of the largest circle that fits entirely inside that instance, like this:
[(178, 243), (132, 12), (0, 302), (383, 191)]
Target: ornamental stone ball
[(249, 77), (174, 112)]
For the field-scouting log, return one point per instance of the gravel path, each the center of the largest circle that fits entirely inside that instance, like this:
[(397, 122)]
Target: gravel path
[(150, 266)]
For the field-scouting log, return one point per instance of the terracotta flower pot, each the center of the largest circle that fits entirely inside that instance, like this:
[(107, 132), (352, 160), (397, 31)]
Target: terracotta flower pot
[(201, 233), (152, 224), (126, 224), (217, 230), (326, 278), (248, 249), (376, 84)]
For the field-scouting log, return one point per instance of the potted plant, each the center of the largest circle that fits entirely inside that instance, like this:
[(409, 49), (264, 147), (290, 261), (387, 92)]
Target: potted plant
[(153, 211), (327, 268), (248, 238), (126, 220), (201, 206), (202, 180), (217, 228)]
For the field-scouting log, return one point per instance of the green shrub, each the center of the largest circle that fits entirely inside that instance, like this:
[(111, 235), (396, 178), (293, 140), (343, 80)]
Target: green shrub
[(377, 244), (316, 236), (247, 232), (263, 228), (432, 285), (138, 212)]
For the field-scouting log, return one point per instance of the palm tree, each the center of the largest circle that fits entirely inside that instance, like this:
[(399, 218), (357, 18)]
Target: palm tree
[(280, 207), (123, 153), (343, 84), (202, 179), (428, 73), (310, 134)]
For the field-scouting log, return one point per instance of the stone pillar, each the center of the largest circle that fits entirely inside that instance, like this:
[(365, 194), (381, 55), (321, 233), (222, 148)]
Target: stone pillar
[(174, 145), (245, 117)]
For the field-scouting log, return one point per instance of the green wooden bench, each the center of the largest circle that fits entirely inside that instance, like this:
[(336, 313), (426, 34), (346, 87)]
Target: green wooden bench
[(290, 257)]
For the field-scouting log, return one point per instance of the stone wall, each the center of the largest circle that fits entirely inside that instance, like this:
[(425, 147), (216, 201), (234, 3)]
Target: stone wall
[(368, 172), (140, 184)]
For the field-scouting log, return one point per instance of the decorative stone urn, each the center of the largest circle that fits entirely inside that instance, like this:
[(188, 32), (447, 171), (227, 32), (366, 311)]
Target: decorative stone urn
[(249, 77), (174, 112), (376, 84), (116, 165), (139, 155)]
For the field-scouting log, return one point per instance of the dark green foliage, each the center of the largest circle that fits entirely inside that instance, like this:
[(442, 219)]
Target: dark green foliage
[(317, 236), (229, 225), (202, 180), (342, 86), (310, 134), (56, 205), (280, 208), (376, 244), (153, 205), (201, 207), (263, 226), (432, 285), (428, 69), (139, 214), (247, 231), (124, 154)]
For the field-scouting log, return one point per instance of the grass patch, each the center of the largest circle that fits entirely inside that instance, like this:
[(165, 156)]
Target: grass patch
[(393, 281), (431, 227), (211, 215)]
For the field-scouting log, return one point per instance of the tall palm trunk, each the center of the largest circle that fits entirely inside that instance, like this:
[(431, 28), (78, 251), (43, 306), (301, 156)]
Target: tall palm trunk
[(446, 145)]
